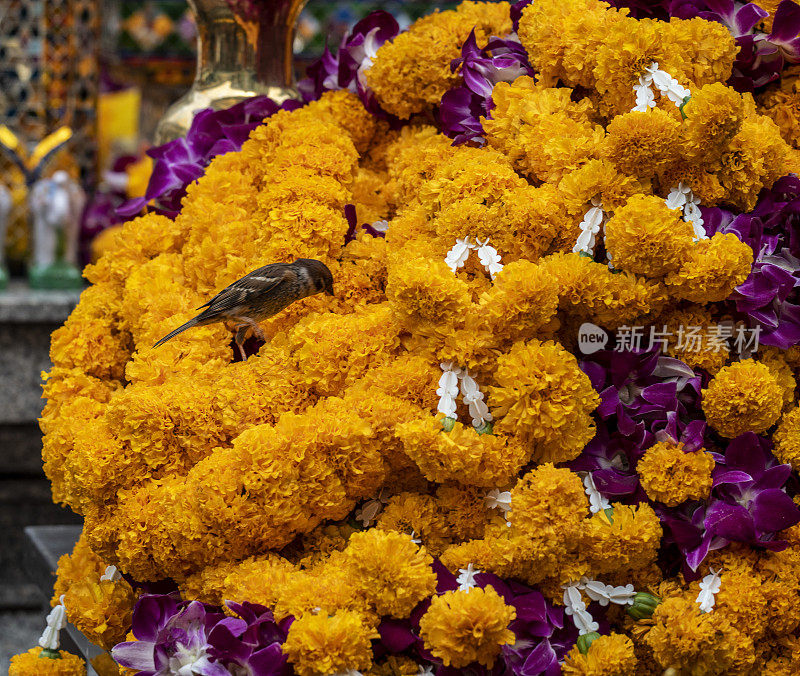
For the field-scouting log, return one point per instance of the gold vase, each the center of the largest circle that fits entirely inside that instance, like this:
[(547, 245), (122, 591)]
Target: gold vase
[(244, 49)]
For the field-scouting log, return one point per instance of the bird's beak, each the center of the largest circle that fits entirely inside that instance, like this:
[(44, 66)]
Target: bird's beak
[(329, 291)]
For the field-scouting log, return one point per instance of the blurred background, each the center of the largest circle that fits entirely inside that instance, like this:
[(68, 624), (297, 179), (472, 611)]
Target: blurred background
[(83, 85)]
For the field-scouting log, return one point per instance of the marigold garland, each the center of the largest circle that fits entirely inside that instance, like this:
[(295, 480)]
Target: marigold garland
[(429, 469)]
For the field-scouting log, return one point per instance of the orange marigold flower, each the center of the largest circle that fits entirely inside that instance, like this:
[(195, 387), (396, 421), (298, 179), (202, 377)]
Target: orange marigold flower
[(670, 475)]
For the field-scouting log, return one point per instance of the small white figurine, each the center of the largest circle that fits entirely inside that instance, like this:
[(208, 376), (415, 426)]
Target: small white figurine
[(56, 206)]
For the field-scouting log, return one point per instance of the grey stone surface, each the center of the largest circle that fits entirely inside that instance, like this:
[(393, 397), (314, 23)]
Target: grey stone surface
[(24, 354), (21, 449), (19, 632), (21, 305), (24, 501)]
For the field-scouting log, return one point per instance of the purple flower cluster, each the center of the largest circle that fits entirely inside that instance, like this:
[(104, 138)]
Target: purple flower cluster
[(346, 69), (770, 296), (543, 638), (182, 161), (502, 60), (748, 503), (195, 638)]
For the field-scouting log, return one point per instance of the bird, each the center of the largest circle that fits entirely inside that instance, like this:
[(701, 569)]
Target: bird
[(259, 295)]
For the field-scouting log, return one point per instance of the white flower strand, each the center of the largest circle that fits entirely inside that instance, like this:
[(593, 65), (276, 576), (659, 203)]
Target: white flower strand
[(597, 501), (56, 621), (683, 198), (497, 500), (448, 389), (466, 580), (661, 80), (111, 574), (590, 227), (473, 398), (575, 607), (607, 593), (709, 588), (458, 255), (489, 258)]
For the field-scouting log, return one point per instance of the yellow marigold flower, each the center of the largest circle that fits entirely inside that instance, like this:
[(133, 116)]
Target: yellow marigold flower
[(742, 397), (714, 115), (700, 51), (781, 102), (461, 454), (670, 475), (391, 572), (787, 439), (609, 655), (101, 610), (643, 143), (105, 665), (542, 132), (462, 627), (407, 512), (590, 291), (426, 295), (522, 300), (626, 540), (548, 499), (412, 72), (647, 237), (702, 643), (321, 644), (776, 360), (32, 664), (704, 349), (712, 269), (464, 510), (257, 580), (544, 399), (597, 179), (756, 158)]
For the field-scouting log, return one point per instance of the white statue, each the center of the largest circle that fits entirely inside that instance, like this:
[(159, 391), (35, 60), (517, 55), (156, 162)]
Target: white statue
[(56, 206), (6, 202)]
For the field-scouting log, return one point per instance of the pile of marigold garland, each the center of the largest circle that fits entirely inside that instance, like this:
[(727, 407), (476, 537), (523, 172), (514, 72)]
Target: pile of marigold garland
[(436, 471)]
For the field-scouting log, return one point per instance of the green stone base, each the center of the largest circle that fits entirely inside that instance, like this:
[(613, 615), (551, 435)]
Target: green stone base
[(3, 277), (58, 276)]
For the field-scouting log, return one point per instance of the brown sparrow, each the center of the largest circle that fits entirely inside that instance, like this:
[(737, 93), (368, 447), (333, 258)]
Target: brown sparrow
[(259, 295)]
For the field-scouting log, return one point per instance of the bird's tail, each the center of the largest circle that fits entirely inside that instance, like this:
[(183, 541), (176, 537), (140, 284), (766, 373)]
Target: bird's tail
[(188, 325)]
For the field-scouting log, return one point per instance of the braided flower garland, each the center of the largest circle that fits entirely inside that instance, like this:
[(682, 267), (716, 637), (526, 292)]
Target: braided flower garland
[(432, 472)]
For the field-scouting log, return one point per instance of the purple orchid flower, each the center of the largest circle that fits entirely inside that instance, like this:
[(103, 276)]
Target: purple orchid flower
[(194, 638), (640, 388), (516, 12), (770, 296), (352, 222), (502, 60), (347, 68), (170, 639), (182, 161), (748, 504), (611, 458)]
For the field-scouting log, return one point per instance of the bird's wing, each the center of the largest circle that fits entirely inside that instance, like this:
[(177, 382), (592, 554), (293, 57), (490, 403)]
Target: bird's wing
[(256, 283)]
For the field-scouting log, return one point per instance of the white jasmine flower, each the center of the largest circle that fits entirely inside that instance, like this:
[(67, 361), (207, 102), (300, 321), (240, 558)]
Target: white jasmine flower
[(573, 601), (56, 621), (473, 398), (645, 98), (584, 622), (597, 501), (466, 580), (678, 197), (489, 258), (381, 226), (497, 500), (415, 539), (111, 574), (709, 587), (607, 593), (458, 255), (448, 389), (425, 671), (368, 511)]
